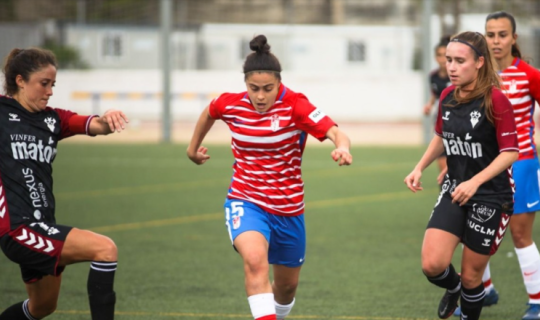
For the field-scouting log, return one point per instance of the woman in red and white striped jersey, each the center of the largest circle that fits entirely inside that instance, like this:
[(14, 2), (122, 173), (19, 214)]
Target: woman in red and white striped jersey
[(264, 209)]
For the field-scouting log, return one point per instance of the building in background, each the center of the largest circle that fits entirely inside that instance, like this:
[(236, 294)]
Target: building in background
[(114, 33), (225, 46), (357, 59)]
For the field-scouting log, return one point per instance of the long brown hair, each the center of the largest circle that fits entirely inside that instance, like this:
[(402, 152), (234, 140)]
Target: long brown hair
[(487, 74), (24, 62)]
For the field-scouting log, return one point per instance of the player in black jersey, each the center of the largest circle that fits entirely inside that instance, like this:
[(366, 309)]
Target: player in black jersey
[(476, 128), (438, 81), (29, 235), (438, 78)]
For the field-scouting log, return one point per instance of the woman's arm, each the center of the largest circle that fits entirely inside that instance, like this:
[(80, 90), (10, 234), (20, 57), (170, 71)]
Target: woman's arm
[(429, 104), (342, 143), (195, 151), (109, 122), (434, 150), (468, 188)]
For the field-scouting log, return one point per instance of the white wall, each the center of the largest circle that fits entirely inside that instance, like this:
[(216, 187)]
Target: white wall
[(309, 47), (140, 47), (299, 47), (345, 96)]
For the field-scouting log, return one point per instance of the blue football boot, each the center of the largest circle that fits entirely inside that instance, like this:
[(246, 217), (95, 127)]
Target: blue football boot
[(533, 312)]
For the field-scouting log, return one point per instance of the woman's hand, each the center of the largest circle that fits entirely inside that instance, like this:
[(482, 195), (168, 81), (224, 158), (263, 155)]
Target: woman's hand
[(115, 119), (464, 191), (413, 181), (342, 156), (199, 156), (427, 109)]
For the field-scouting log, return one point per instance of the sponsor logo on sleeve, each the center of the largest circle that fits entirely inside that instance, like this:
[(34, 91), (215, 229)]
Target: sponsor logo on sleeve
[(316, 115)]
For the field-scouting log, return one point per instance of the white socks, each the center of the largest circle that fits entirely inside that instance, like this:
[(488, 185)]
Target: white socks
[(283, 311), (529, 262), (262, 305)]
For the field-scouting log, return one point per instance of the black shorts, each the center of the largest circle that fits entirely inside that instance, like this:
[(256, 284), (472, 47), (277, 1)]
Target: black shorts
[(480, 226), (36, 248)]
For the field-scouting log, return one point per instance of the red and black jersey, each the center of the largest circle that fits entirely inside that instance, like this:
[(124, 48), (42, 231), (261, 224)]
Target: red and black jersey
[(472, 142), (27, 149)]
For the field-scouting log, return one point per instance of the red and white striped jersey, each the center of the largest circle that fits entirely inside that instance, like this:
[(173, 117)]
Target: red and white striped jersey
[(521, 85), (268, 147)]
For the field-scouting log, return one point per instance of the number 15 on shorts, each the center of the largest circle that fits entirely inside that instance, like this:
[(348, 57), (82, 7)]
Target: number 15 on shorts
[(233, 213)]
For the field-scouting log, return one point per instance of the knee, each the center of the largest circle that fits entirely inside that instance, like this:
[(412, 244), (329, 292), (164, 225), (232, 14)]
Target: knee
[(471, 281), (286, 288), (41, 311), (107, 251), (255, 264), (519, 239), (521, 229), (432, 268)]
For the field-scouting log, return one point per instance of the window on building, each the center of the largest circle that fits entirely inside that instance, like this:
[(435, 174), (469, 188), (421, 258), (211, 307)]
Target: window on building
[(356, 51), (112, 46)]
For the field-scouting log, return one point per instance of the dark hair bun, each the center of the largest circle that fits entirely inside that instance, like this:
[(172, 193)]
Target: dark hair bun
[(259, 45)]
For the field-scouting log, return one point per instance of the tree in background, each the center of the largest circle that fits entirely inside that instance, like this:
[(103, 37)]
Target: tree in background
[(66, 56)]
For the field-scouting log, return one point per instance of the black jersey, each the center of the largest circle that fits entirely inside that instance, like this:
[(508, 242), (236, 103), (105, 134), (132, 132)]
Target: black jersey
[(437, 83), (27, 149), (472, 142)]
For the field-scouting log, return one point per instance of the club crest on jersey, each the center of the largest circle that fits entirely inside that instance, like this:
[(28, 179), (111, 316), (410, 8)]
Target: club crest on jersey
[(475, 116), (275, 123), (513, 86), (50, 123)]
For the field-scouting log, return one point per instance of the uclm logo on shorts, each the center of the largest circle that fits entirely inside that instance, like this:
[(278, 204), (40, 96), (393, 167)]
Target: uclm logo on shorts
[(455, 146), (30, 150)]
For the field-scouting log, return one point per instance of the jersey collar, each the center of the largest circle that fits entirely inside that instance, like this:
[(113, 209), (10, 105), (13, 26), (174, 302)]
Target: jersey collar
[(281, 93), (515, 63)]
